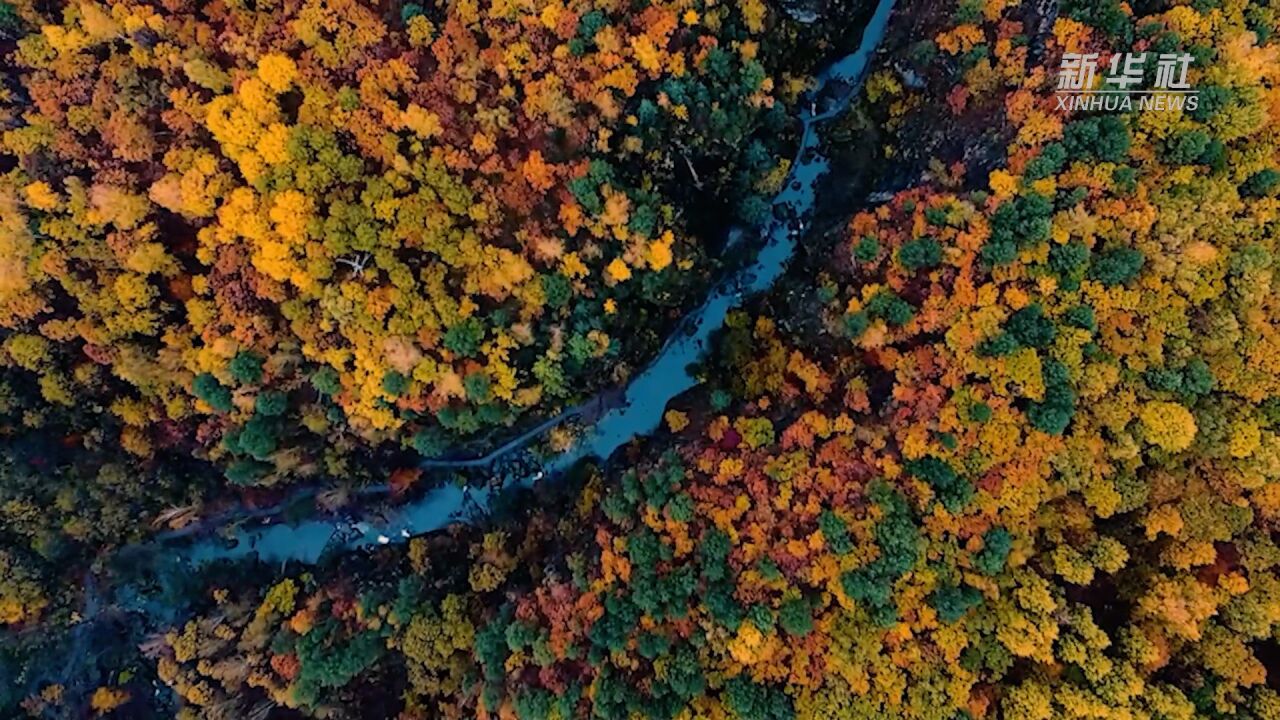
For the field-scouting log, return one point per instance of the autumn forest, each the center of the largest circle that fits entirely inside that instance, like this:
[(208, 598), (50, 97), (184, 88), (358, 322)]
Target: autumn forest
[(1000, 442)]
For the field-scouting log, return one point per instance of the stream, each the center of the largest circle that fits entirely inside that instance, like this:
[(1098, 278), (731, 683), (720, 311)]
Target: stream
[(646, 396)]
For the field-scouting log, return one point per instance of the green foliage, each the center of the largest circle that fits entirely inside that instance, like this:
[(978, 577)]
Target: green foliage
[(534, 704), (331, 662), (477, 387), (855, 324), (394, 383), (207, 388), (897, 537), (1163, 379), (1106, 15), (1017, 224), (520, 635), (887, 306), (1081, 316), (1125, 179), (835, 532), (246, 368), (247, 471), (980, 412), (721, 604), (1031, 328), (1103, 138), (952, 602), (920, 254), (935, 216), (11, 25), (1263, 183), (1050, 160), (1117, 266), (681, 508), (1197, 378), (720, 399), (1054, 413), (953, 491), (613, 629), (1188, 147), (256, 438), (443, 280), (866, 250), (430, 442), (325, 380), (795, 617), (1069, 262), (271, 403), (685, 675), (714, 554), (408, 11), (996, 544), (464, 337), (557, 289), (998, 345), (751, 701)]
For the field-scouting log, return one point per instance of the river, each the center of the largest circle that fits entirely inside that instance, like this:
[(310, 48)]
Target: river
[(646, 396)]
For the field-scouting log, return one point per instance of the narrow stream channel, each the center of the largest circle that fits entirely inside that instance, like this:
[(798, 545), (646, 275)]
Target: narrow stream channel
[(646, 396)]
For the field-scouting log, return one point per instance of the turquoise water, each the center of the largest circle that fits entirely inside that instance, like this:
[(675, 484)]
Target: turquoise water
[(646, 395)]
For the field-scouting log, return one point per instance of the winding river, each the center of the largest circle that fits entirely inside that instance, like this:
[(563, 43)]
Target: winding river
[(646, 396)]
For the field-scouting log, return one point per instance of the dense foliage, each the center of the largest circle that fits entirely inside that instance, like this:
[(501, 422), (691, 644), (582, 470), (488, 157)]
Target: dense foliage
[(285, 230), (1029, 472), (248, 244), (1005, 445)]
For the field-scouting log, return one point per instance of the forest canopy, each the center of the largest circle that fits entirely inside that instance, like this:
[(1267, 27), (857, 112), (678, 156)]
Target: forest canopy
[(283, 231), (1003, 441)]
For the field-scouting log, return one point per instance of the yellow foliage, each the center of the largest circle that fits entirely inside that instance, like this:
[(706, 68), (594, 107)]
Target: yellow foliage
[(106, 699), (1168, 425), (961, 39), (660, 252), (277, 71), (1002, 183), (1246, 438), (618, 270), (41, 196), (753, 14), (422, 122)]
